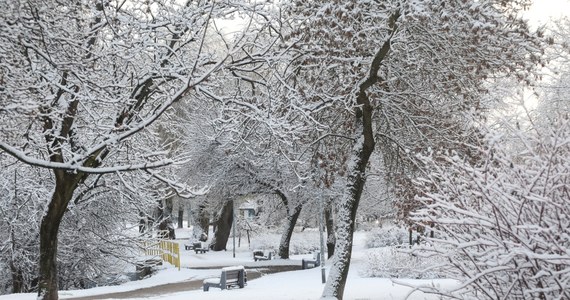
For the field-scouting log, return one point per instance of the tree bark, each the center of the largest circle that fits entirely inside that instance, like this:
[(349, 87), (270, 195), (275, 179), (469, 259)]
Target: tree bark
[(289, 226), (17, 279), (348, 206), (180, 213), (331, 238), (168, 223), (189, 215), (361, 151), (224, 226), (202, 218), (64, 187)]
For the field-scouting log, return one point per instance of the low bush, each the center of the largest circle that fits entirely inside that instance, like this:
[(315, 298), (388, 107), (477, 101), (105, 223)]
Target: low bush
[(394, 262), (386, 236), (301, 242)]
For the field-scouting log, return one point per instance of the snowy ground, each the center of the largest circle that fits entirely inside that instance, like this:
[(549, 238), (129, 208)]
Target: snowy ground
[(304, 284)]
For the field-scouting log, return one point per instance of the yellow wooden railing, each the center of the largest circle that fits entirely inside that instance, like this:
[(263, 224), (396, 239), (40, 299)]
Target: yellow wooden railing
[(169, 251)]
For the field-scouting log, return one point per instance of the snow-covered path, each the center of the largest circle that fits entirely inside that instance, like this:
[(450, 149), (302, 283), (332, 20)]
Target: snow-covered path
[(183, 286)]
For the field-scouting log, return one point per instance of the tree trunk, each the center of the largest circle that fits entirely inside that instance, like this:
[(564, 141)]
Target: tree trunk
[(189, 215), (202, 225), (331, 238), (224, 226), (143, 223), (64, 187), (348, 206), (288, 232), (180, 213), (163, 214), (361, 151), (17, 279), (168, 218)]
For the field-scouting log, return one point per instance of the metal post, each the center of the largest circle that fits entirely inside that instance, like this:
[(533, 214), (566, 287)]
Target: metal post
[(321, 231)]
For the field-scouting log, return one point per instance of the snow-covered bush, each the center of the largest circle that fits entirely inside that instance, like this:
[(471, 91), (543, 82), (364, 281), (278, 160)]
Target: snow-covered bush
[(395, 262), (386, 236), (503, 222), (301, 242)]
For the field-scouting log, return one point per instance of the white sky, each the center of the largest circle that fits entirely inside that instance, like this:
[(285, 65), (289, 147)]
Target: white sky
[(542, 10)]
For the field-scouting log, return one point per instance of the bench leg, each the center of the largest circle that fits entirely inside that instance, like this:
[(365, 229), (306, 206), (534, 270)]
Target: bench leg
[(206, 287)]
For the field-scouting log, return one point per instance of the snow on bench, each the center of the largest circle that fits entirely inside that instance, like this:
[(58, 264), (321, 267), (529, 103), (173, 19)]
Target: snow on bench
[(262, 255), (198, 248), (315, 262), (231, 276)]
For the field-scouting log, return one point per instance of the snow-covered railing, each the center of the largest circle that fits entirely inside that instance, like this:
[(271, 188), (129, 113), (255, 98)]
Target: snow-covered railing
[(169, 251)]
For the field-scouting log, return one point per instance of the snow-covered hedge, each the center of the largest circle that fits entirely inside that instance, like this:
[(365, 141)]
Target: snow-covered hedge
[(396, 262), (502, 223), (301, 242), (386, 236)]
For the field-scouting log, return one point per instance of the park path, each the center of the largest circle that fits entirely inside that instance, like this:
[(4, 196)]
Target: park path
[(252, 274)]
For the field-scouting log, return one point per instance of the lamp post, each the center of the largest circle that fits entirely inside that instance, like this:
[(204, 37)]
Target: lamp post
[(321, 231), (234, 227)]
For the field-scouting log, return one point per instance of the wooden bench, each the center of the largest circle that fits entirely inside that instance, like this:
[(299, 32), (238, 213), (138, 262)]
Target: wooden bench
[(231, 276), (312, 263), (197, 246), (189, 246), (262, 255)]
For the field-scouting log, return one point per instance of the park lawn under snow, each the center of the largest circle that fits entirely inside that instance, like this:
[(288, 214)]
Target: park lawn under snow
[(304, 284)]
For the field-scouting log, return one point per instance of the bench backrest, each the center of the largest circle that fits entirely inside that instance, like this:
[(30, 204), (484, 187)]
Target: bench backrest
[(232, 276), (317, 257)]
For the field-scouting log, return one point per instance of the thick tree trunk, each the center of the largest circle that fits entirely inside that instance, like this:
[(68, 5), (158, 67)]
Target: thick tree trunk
[(201, 228), (289, 226), (331, 238), (180, 213), (348, 206), (49, 228), (189, 215), (163, 215), (143, 223), (224, 226), (17, 279), (360, 155)]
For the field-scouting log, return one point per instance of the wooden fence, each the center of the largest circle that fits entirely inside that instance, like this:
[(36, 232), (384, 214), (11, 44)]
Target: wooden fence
[(167, 250)]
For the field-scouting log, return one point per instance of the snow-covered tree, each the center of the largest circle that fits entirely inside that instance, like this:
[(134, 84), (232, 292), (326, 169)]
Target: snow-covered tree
[(552, 91), (81, 79), (96, 231), (256, 140), (409, 73)]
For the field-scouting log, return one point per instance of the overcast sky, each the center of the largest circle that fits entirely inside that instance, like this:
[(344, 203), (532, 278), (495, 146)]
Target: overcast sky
[(542, 10)]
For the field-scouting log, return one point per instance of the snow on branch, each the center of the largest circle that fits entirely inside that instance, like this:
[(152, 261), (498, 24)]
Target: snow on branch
[(502, 221), (21, 156)]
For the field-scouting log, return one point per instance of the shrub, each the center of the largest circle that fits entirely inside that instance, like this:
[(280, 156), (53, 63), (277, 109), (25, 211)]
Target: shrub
[(502, 223), (386, 236), (394, 262), (301, 242)]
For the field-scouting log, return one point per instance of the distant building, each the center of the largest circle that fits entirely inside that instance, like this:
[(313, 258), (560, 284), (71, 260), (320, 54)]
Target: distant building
[(248, 209)]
